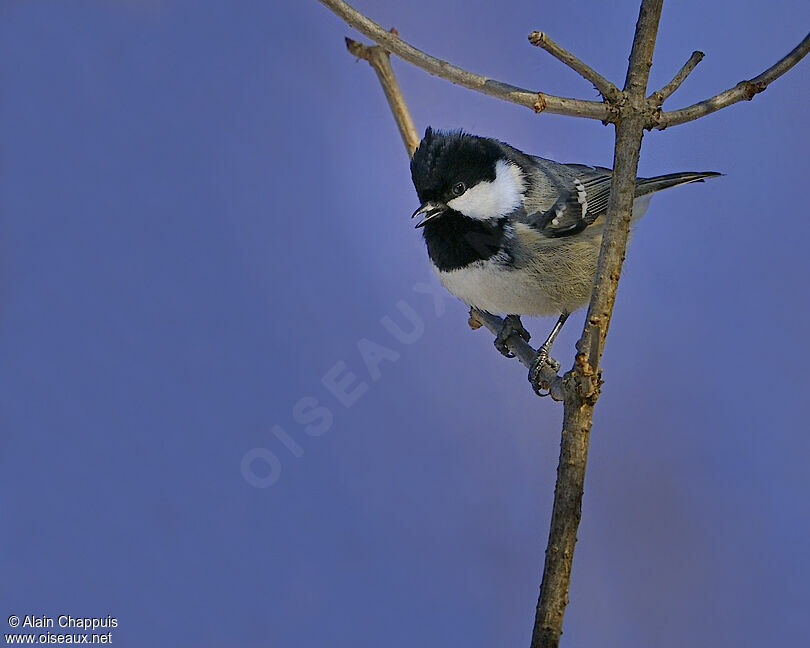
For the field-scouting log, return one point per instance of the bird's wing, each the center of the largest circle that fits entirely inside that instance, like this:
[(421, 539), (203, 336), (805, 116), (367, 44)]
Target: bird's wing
[(583, 193)]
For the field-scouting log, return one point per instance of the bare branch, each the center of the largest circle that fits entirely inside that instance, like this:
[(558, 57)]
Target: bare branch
[(609, 91), (582, 382), (378, 59), (537, 101), (661, 95), (743, 91)]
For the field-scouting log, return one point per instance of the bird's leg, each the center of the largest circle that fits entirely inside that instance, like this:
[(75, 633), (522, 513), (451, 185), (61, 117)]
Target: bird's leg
[(511, 325), (543, 358)]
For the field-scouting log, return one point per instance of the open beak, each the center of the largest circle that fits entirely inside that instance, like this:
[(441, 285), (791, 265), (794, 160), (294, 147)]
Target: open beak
[(429, 210)]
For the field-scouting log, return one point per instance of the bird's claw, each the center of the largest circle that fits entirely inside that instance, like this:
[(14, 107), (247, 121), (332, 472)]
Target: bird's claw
[(541, 360), (511, 325)]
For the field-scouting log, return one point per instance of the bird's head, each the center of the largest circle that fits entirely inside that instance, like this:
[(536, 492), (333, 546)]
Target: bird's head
[(475, 176)]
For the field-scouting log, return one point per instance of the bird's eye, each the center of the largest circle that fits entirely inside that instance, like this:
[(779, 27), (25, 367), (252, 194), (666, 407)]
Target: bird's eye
[(459, 189)]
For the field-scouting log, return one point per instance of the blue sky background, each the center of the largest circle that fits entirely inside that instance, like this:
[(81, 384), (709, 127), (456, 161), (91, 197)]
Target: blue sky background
[(204, 212)]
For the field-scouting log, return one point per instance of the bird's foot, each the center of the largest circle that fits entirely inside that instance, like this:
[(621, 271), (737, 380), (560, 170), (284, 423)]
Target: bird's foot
[(541, 361), (511, 325)]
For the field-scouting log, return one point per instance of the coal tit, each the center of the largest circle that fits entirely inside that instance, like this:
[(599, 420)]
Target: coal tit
[(513, 233)]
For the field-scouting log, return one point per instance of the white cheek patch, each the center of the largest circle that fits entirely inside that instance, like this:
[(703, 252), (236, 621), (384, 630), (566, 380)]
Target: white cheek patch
[(492, 199)]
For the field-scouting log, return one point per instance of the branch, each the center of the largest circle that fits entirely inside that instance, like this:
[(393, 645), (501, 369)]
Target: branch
[(661, 95), (521, 350), (583, 381), (743, 91), (379, 59), (609, 91), (537, 101)]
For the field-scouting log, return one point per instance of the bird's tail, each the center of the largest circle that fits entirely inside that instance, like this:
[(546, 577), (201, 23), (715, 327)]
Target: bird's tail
[(651, 185)]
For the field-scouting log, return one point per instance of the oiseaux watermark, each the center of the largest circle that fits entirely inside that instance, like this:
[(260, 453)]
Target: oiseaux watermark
[(262, 467)]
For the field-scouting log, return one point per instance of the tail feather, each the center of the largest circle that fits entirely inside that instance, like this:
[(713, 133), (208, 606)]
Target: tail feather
[(651, 185)]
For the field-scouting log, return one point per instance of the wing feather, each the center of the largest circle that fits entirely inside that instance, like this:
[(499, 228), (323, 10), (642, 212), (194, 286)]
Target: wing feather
[(583, 193)]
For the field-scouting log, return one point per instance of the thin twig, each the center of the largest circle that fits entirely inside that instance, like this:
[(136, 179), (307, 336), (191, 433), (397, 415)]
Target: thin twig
[(609, 91), (379, 60), (661, 95), (537, 101), (743, 91), (522, 351), (583, 381)]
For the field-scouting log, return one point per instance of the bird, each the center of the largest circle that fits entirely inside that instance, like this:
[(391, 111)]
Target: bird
[(512, 233)]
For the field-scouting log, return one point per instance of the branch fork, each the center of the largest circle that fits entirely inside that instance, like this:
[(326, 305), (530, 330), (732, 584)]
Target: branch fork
[(604, 111)]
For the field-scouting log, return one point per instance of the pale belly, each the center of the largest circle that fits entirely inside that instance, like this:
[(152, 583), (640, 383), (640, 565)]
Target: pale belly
[(513, 292)]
